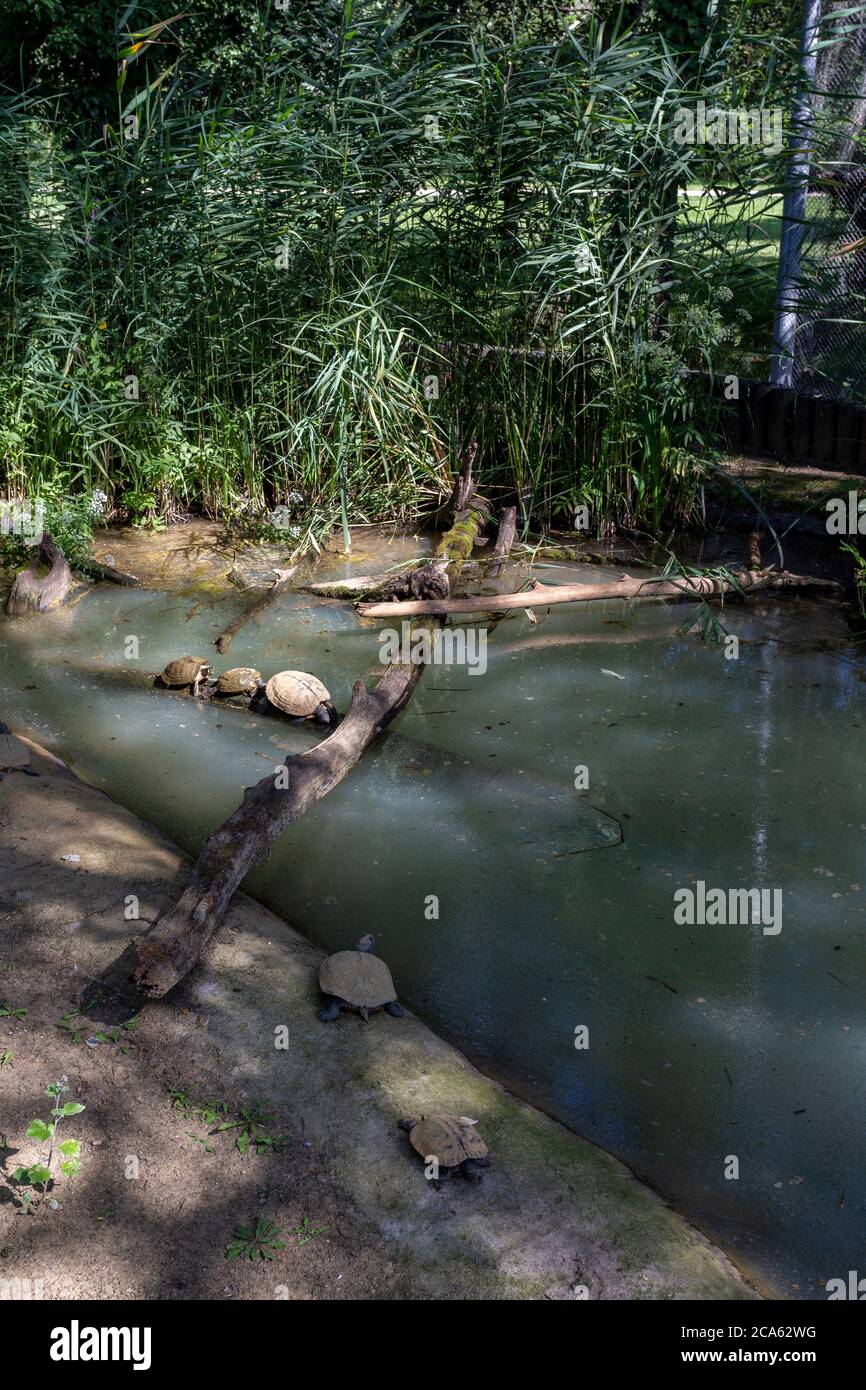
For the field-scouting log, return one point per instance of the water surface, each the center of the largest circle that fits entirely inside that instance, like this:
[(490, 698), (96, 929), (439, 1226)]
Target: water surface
[(555, 906)]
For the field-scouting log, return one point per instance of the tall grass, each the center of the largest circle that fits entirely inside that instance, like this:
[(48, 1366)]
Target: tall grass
[(308, 285)]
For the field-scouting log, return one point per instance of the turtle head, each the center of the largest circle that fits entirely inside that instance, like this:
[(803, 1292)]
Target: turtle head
[(406, 1125), (366, 943)]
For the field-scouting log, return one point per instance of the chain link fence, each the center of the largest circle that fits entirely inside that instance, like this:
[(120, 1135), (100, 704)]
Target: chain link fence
[(830, 343)]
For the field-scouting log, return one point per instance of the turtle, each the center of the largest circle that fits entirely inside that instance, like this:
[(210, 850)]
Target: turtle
[(14, 755), (240, 680), (186, 671), (451, 1142), (301, 696), (357, 980)]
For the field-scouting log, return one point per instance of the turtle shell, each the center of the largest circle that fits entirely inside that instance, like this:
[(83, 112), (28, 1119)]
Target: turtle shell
[(296, 693), (239, 680), (185, 670), (13, 753), (359, 979), (448, 1138)]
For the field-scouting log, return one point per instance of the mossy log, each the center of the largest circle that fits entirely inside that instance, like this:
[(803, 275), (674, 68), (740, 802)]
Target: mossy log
[(36, 592)]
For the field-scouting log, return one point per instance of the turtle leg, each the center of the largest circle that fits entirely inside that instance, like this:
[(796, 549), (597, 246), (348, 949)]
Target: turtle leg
[(473, 1168), (331, 1009), (394, 1009), (365, 1013)]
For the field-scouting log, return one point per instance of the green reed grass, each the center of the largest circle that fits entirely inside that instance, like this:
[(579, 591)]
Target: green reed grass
[(243, 303)]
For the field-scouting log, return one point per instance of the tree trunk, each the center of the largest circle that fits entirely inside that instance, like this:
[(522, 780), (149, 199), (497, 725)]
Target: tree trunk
[(35, 593), (504, 541)]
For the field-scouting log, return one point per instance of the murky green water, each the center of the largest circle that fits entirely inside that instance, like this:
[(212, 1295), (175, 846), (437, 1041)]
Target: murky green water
[(706, 1043)]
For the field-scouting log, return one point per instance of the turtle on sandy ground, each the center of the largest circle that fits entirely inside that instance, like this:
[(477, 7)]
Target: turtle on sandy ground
[(451, 1142), (14, 754), (240, 680), (187, 672), (301, 696), (357, 980)]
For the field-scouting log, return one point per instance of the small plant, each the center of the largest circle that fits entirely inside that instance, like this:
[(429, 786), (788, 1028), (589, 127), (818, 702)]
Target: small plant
[(41, 1174), (186, 1103), (859, 574), (6, 1058), (76, 1030), (306, 1231), (259, 1242), (250, 1122), (6, 1011)]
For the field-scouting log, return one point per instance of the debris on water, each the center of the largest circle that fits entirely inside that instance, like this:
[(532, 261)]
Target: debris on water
[(656, 981), (605, 672), (71, 858)]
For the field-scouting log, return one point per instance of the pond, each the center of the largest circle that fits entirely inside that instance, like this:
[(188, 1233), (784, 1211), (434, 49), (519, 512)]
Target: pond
[(525, 916)]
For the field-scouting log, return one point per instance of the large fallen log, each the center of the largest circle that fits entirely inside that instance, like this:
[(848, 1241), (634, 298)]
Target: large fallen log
[(541, 595), (176, 941), (34, 592), (173, 946)]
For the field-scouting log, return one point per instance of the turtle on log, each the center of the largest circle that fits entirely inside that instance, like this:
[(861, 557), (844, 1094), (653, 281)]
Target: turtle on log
[(240, 680), (186, 673), (301, 696)]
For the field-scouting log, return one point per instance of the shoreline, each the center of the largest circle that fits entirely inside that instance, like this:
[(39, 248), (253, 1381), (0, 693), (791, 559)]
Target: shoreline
[(555, 1214)]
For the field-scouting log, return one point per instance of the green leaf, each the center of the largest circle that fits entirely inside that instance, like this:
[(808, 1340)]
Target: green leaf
[(243, 1143), (72, 1108), (71, 1167), (71, 1147), (38, 1130), (39, 1173)]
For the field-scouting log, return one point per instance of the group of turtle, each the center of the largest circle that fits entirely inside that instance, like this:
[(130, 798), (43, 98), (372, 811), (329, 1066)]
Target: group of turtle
[(358, 980), (355, 980), (295, 693)]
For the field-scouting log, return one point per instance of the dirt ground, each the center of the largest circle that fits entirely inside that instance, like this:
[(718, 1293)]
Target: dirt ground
[(159, 1195)]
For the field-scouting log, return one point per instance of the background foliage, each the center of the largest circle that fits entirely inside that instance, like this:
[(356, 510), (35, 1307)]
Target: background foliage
[(346, 238)]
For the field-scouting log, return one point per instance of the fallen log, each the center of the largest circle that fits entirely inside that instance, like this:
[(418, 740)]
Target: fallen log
[(224, 641), (541, 595), (174, 944), (170, 950), (33, 592), (96, 570)]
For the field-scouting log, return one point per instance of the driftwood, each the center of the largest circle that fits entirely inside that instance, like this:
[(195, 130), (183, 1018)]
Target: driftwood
[(36, 593), (542, 595), (504, 541), (224, 641), (96, 570)]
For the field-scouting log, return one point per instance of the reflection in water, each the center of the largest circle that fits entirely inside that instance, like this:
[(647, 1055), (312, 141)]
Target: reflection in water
[(705, 1042)]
